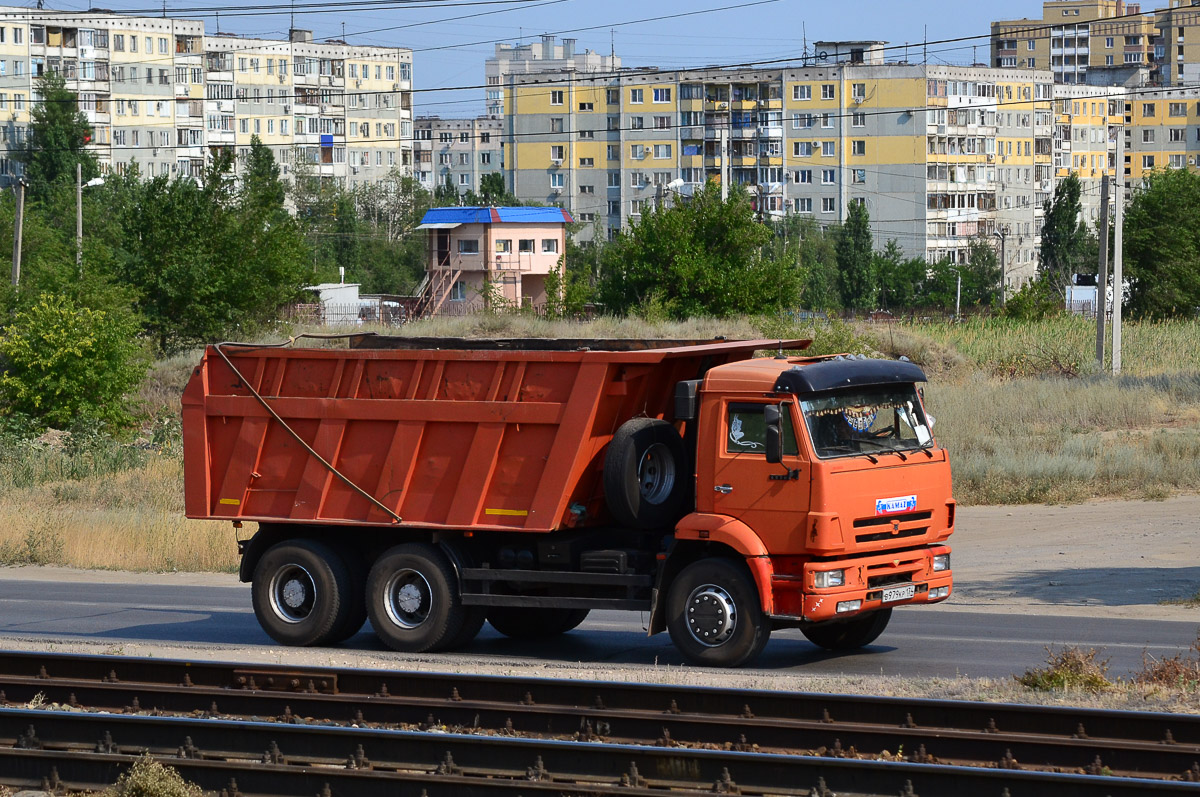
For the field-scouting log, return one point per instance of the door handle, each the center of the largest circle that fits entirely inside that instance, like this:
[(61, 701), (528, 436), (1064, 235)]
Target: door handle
[(724, 489)]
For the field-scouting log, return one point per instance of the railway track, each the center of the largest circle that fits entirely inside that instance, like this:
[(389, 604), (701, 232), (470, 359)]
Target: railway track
[(78, 720)]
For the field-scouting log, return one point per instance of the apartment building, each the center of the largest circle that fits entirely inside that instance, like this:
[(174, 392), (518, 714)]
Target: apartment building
[(1075, 36), (456, 151), (1162, 130), (938, 154), (548, 55), (161, 94), (1178, 47), (1087, 122)]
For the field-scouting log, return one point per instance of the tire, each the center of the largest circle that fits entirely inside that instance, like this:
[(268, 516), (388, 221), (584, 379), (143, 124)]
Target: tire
[(714, 616), (474, 617), (519, 622), (646, 479), (413, 600), (356, 564), (302, 593), (850, 634)]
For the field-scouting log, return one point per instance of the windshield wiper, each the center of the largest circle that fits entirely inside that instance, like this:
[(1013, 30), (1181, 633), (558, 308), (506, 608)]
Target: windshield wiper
[(884, 446), (853, 452)]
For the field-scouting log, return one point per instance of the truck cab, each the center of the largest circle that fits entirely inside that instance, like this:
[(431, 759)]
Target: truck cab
[(823, 475)]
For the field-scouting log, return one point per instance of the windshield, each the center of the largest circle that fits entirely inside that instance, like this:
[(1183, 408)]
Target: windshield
[(869, 420)]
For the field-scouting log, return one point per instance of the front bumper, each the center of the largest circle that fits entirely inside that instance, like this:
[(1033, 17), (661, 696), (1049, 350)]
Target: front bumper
[(797, 598)]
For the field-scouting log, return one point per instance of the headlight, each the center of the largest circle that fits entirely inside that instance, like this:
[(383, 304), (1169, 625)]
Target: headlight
[(829, 578), (941, 562)]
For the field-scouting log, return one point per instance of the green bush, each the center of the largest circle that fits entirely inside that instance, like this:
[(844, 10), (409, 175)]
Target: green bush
[(64, 363)]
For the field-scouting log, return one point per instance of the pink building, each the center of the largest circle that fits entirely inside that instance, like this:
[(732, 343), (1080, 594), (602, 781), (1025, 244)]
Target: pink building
[(490, 257)]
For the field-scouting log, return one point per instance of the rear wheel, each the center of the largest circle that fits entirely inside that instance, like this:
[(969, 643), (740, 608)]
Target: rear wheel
[(413, 601), (303, 593), (520, 622), (714, 615), (849, 634), (356, 564), (645, 474)]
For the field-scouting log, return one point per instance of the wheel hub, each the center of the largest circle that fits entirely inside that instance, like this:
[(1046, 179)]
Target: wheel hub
[(656, 473), (293, 594), (409, 599), (711, 615)]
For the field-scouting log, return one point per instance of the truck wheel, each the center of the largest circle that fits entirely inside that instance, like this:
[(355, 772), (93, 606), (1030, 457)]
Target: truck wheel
[(645, 478), (850, 634), (302, 592), (714, 615), (534, 623), (474, 617), (357, 616), (413, 601)]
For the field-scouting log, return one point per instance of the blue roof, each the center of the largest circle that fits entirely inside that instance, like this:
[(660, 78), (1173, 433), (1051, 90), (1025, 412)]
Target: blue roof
[(477, 215)]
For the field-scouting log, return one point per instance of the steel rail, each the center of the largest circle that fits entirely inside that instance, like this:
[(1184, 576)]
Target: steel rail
[(266, 751), (598, 723)]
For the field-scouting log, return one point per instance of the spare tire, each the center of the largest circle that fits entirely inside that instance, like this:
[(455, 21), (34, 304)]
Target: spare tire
[(646, 478)]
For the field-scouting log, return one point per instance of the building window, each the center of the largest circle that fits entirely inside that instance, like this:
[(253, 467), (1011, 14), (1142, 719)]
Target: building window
[(458, 291), (827, 148), (636, 95), (1147, 161), (827, 91), (525, 245), (802, 149), (556, 153), (1108, 42), (827, 121), (556, 180), (504, 246), (485, 158), (860, 175), (587, 189), (662, 151), (587, 162), (1032, 44), (858, 91), (1176, 161), (662, 122), (802, 177), (804, 205), (1148, 136), (636, 123), (549, 246), (858, 147), (613, 96), (662, 95), (858, 120), (828, 205), (585, 106), (828, 176), (801, 93), (1177, 109), (556, 97), (468, 246), (464, 179)]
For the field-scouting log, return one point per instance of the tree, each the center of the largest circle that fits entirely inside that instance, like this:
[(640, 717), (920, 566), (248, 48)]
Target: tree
[(65, 362), (1162, 245), (260, 183), (445, 195), (854, 259), (492, 190), (1064, 237), (898, 278), (58, 137), (702, 258), (818, 257)]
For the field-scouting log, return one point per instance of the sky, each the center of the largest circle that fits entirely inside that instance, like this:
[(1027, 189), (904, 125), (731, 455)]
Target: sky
[(758, 30)]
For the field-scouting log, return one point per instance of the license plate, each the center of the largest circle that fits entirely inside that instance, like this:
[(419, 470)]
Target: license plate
[(899, 593)]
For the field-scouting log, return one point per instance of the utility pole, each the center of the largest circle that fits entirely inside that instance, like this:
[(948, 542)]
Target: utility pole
[(18, 225), (1002, 234), (1102, 282), (1118, 254), (79, 218)]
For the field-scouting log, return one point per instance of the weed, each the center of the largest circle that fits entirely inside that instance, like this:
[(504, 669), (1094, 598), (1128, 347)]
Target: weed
[(148, 778), (38, 701), (1180, 672), (1191, 602), (1069, 668)]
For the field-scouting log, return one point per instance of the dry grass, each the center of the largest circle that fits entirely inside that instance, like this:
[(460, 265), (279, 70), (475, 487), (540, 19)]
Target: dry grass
[(130, 519), (1069, 669), (1179, 673)]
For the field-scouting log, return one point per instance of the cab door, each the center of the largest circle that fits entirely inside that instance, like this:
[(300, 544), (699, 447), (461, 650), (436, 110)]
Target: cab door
[(772, 499)]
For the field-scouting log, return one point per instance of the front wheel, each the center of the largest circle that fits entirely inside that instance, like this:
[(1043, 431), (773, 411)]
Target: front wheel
[(413, 600), (714, 615), (849, 634)]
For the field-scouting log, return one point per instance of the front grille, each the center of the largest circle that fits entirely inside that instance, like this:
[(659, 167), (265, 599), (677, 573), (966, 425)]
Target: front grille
[(887, 535), (885, 520), (891, 578)]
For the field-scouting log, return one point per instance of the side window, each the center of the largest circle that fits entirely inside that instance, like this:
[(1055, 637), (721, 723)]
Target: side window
[(746, 431)]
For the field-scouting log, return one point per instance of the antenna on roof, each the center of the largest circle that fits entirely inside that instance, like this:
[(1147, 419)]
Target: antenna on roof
[(292, 24), (612, 43), (164, 9), (218, 23)]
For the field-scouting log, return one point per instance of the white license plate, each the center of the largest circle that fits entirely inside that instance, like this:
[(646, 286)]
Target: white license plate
[(899, 593)]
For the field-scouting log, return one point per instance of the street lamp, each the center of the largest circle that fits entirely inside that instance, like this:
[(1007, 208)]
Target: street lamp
[(79, 186), (957, 292), (1002, 234)]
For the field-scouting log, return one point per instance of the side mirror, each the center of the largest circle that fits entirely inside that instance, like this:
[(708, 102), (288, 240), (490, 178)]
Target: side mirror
[(774, 425)]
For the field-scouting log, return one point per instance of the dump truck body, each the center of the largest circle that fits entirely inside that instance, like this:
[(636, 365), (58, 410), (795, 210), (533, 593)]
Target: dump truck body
[(433, 484)]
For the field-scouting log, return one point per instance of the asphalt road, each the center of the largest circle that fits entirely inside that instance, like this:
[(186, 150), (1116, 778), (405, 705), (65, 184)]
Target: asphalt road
[(921, 642)]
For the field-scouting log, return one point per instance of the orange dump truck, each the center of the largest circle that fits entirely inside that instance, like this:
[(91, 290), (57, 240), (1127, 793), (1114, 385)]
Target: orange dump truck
[(433, 484)]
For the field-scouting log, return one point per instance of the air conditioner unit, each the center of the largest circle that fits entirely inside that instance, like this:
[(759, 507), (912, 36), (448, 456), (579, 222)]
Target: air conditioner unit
[(287, 109), (358, 84), (721, 106), (282, 77), (556, 191), (556, 161), (395, 87)]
